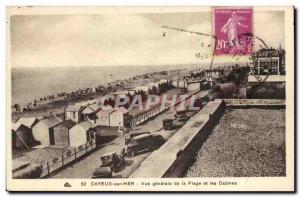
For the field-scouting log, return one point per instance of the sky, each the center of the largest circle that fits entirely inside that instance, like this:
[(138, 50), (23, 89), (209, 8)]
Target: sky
[(122, 39)]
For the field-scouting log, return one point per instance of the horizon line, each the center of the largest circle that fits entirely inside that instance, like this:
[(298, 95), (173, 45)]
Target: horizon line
[(125, 65)]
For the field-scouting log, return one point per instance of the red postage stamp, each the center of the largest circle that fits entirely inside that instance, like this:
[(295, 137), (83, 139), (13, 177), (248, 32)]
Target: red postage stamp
[(233, 29)]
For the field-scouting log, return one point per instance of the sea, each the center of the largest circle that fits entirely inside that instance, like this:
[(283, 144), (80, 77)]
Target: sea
[(36, 82)]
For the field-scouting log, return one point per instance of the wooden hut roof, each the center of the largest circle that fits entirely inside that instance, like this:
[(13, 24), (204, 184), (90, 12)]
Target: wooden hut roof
[(28, 122), (51, 121), (74, 108), (86, 125), (68, 124)]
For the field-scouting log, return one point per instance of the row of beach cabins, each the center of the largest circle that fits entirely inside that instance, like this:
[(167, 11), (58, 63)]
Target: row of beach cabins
[(72, 129), (81, 122), (81, 119)]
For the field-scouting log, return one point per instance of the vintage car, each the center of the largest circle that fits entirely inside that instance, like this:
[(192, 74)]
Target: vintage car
[(180, 118), (198, 103), (168, 124), (102, 172), (204, 100), (131, 135), (113, 160), (144, 142)]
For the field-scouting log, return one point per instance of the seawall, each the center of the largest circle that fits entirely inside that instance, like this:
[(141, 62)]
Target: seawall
[(171, 160)]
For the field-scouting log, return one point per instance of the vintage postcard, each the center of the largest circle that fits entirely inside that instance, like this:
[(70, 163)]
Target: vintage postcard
[(150, 99)]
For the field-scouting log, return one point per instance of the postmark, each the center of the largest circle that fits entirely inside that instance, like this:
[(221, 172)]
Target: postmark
[(229, 26)]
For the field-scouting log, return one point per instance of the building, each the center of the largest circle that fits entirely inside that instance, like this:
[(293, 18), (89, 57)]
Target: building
[(103, 116), (43, 131), (112, 117), (81, 133), (22, 133), (61, 133), (268, 62), (119, 117), (74, 113), (21, 137), (89, 112), (266, 78)]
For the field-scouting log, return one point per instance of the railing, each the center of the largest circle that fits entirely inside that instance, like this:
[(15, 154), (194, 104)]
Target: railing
[(67, 157), (145, 115), (155, 110)]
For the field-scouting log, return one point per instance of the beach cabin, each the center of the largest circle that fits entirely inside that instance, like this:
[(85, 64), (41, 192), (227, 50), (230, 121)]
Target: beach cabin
[(112, 117), (118, 117), (61, 133), (43, 131), (21, 136), (74, 112), (81, 133), (22, 132), (103, 116), (89, 112)]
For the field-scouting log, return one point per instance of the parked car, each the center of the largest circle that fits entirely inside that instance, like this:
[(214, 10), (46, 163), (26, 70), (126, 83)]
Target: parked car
[(204, 100), (198, 102), (168, 124), (102, 172), (144, 142), (113, 160), (131, 135), (180, 118)]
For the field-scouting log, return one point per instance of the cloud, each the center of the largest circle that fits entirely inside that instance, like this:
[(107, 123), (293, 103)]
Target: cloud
[(114, 39)]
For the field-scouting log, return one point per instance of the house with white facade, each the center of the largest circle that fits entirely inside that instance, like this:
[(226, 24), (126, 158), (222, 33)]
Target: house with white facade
[(74, 112), (43, 131)]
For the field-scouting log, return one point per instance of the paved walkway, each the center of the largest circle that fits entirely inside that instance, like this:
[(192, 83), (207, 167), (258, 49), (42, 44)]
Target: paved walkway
[(84, 168)]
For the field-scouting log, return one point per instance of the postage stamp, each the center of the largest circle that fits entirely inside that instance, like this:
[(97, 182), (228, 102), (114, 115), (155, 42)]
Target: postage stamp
[(150, 99), (232, 28)]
